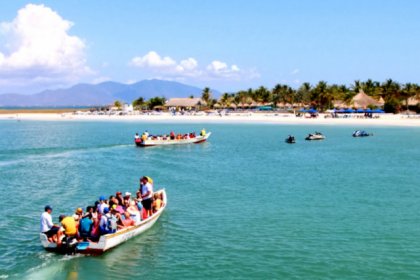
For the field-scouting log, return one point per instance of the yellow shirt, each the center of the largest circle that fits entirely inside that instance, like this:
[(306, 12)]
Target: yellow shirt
[(69, 225)]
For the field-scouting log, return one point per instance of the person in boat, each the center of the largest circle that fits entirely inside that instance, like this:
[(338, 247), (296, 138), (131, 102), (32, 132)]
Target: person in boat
[(146, 190), (69, 225), (136, 136), (107, 223), (78, 214), (47, 226), (85, 227), (127, 221), (138, 201), (172, 135), (146, 133), (95, 232), (134, 212), (144, 137), (102, 204), (127, 199), (157, 202), (120, 198), (203, 132)]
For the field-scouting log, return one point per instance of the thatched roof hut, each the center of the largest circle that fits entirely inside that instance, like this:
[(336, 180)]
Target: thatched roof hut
[(362, 100), (186, 103)]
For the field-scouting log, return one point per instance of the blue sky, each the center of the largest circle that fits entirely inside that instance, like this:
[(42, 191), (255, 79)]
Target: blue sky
[(227, 45)]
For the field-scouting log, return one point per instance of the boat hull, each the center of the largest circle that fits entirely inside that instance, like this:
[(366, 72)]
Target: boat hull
[(151, 143), (108, 241)]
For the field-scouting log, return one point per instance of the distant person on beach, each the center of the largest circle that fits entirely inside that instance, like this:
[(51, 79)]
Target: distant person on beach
[(146, 190), (47, 226)]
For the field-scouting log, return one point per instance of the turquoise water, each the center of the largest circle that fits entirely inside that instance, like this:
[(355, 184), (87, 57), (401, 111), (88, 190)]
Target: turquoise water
[(245, 205)]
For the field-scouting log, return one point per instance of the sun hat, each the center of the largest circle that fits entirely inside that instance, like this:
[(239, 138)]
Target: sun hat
[(79, 210), (127, 194), (102, 197)]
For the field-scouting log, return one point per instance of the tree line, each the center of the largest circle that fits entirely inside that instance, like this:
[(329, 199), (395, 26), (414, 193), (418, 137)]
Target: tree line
[(320, 96)]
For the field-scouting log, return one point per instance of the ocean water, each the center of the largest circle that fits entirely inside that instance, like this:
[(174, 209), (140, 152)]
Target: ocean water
[(244, 205)]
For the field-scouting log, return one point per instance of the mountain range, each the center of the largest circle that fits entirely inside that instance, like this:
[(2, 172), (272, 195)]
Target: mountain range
[(102, 94)]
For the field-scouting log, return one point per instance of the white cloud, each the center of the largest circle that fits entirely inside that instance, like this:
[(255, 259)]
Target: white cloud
[(153, 60), (38, 47), (294, 72), (169, 68)]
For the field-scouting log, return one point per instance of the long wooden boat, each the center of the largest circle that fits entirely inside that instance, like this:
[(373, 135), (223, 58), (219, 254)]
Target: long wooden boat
[(158, 142), (107, 241)]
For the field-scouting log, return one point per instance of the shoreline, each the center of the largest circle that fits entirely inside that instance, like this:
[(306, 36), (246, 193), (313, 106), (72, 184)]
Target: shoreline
[(263, 118)]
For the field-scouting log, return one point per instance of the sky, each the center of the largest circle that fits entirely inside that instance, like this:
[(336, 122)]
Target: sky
[(226, 45)]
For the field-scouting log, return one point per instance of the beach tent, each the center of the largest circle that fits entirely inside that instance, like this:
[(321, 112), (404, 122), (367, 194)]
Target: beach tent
[(360, 111), (348, 111), (265, 108), (378, 111), (312, 110)]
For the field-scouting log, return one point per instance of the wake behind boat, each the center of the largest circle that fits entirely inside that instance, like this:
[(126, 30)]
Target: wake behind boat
[(106, 241), (147, 141)]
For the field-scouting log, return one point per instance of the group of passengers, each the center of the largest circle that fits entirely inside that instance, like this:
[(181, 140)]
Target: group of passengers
[(172, 136), (107, 215)]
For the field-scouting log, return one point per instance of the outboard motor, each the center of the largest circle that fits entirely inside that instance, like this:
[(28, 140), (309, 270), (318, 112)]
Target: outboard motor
[(68, 245)]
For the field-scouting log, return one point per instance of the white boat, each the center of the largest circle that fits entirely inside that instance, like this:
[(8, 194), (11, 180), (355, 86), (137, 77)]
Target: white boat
[(158, 141), (110, 240), (315, 136), (361, 133)]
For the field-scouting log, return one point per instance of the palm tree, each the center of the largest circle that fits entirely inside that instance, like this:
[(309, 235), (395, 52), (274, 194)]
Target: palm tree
[(138, 103), (303, 94), (118, 104), (206, 95), (321, 95), (391, 93), (225, 100), (409, 90)]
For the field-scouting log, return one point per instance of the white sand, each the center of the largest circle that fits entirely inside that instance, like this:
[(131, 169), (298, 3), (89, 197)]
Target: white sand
[(290, 119)]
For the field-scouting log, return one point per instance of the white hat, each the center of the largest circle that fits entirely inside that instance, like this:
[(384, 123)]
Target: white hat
[(127, 194)]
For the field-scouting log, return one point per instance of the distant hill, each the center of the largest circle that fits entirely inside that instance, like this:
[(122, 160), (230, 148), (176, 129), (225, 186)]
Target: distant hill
[(102, 94)]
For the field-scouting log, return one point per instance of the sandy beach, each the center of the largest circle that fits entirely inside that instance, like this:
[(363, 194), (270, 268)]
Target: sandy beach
[(269, 118)]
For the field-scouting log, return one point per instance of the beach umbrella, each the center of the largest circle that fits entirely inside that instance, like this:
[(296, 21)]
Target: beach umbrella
[(368, 111), (303, 110), (349, 110), (340, 111), (312, 110), (360, 110), (378, 111)]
